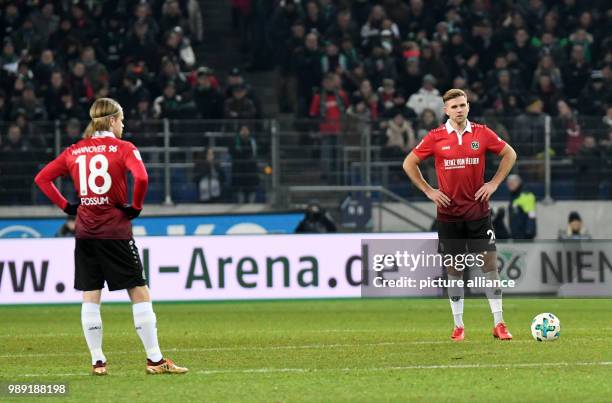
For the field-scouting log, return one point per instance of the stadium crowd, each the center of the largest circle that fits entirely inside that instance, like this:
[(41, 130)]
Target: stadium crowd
[(383, 60), (58, 56), (389, 61), (529, 57)]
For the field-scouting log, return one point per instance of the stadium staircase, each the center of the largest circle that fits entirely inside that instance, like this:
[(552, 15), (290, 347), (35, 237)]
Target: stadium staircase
[(220, 51)]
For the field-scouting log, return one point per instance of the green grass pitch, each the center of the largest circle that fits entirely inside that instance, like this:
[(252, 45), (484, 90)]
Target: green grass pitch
[(322, 350)]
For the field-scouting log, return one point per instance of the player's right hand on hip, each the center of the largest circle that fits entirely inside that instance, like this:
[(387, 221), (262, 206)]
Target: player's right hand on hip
[(71, 208), (129, 210), (438, 197)]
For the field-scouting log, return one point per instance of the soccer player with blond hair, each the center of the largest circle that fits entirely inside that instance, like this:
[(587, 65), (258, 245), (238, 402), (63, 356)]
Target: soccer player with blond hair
[(463, 217), (104, 248)]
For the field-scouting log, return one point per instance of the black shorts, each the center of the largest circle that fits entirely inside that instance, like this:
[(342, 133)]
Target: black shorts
[(466, 236), (115, 261)]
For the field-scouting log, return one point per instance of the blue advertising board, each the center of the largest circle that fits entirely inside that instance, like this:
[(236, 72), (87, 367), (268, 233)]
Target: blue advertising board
[(265, 223)]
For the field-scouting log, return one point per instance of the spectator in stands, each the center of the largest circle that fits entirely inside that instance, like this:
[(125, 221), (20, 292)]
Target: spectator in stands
[(141, 45), (32, 107), (551, 45), (596, 96), (208, 176), (235, 78), (245, 175), (431, 62), (359, 122), (171, 105), (399, 106), (328, 106), (379, 65), (111, 42), (27, 37), (352, 79), (170, 71), (178, 48), (522, 209), (526, 55), (400, 138), (73, 133), (8, 58), (569, 139), (308, 60), (314, 20), (286, 14), (4, 107), (172, 16), (144, 14), (45, 66), (45, 21), (239, 106), (607, 119), (528, 132), (427, 122), (575, 74), (575, 229), (411, 79), (95, 72), (372, 29), (367, 94), (506, 95), (68, 108), (548, 93), (208, 99), (428, 97), (547, 66), (385, 95), (333, 61), (588, 164), (287, 84), (344, 27), (14, 168), (132, 89), (81, 87)]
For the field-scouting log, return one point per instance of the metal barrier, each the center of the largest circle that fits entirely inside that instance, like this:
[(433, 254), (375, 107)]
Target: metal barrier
[(208, 161)]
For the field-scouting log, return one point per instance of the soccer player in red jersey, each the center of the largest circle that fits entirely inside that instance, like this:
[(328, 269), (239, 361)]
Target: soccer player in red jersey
[(463, 220), (105, 250)]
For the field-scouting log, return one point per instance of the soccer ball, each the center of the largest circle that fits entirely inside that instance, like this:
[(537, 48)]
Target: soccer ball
[(545, 327)]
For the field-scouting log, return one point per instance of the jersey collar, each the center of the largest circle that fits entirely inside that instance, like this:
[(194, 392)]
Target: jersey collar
[(450, 129), (103, 133)]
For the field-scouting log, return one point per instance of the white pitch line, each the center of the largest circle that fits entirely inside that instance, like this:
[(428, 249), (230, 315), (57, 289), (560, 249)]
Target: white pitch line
[(260, 348), (371, 369)]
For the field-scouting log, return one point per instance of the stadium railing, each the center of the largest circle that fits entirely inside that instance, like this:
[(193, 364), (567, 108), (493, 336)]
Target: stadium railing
[(199, 161)]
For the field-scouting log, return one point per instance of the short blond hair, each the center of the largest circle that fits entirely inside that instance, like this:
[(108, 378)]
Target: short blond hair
[(100, 113), (452, 94)]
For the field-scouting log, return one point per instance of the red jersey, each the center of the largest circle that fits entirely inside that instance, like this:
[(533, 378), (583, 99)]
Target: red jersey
[(333, 111), (98, 168), (460, 166)]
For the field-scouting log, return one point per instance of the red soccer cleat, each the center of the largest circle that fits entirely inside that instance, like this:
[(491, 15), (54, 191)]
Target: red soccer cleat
[(501, 332), (458, 334)]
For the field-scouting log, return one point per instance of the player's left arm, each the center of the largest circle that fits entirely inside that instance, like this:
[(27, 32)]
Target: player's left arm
[(508, 158)]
